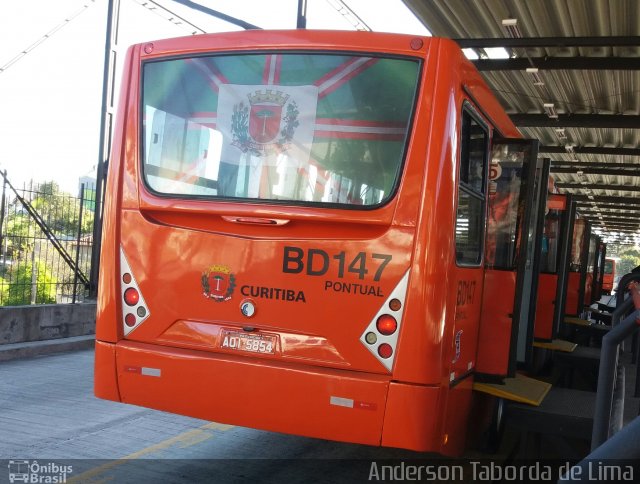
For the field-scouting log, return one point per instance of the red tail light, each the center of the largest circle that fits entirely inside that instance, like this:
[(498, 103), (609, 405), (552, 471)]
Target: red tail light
[(386, 324), (131, 296), (385, 350), (380, 337), (130, 320), (134, 308)]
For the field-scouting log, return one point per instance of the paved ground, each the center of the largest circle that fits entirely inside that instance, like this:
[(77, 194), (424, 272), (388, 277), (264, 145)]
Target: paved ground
[(48, 414)]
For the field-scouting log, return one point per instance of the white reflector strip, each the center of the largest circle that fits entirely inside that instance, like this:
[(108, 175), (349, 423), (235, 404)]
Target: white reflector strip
[(341, 402), (151, 371)]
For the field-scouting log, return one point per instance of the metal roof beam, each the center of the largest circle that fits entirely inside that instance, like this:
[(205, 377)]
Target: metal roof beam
[(629, 121), (604, 210), (597, 171), (589, 164), (591, 150), (604, 206), (593, 186), (612, 41), (559, 63), (597, 199), (630, 219)]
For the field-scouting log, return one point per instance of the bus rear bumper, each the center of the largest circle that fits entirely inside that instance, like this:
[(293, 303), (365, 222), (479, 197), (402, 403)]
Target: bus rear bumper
[(250, 392)]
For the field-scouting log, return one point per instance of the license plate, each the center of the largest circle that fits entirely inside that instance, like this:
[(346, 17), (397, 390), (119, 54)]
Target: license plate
[(253, 343)]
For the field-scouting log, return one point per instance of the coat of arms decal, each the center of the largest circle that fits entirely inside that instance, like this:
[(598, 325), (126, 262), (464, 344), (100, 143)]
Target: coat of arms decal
[(218, 283), (260, 127)]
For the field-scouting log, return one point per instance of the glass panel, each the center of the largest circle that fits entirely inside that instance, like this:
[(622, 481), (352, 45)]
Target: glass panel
[(469, 228), (578, 245), (608, 266), (474, 152), (470, 216), (505, 205), (551, 242), (320, 128), (591, 257)]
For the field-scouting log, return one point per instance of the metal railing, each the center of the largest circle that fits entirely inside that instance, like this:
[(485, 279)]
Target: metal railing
[(45, 243)]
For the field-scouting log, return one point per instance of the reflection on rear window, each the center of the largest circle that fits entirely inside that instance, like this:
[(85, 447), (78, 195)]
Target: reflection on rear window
[(312, 128)]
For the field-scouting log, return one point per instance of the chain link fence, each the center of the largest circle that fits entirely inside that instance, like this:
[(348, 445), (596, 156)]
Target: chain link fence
[(45, 243)]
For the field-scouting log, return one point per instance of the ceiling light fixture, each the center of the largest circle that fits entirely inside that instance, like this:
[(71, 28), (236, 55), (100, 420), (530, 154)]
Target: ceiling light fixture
[(510, 25), (550, 109), (560, 133), (533, 72)]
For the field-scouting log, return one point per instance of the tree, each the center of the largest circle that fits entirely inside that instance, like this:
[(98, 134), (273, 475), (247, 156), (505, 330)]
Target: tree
[(629, 260), (60, 210), (18, 292), (22, 236)]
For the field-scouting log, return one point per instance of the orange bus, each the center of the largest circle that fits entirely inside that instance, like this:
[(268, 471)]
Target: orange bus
[(608, 275), (294, 236)]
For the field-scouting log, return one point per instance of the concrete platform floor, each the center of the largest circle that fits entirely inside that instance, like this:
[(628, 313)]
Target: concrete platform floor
[(48, 415)]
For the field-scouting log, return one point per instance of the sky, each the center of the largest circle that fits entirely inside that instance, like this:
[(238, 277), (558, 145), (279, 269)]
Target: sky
[(50, 99)]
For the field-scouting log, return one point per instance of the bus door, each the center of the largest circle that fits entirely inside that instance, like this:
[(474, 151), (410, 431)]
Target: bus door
[(608, 275), (587, 287), (511, 261), (564, 264), (555, 214), (598, 269), (577, 267)]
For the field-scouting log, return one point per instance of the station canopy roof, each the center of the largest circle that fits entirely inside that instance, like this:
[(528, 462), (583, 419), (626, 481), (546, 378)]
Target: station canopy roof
[(568, 74)]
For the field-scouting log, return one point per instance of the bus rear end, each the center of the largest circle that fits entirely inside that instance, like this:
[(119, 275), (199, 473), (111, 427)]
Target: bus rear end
[(259, 231), (608, 276), (294, 233)]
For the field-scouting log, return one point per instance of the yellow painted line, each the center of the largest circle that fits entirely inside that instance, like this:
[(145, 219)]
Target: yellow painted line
[(183, 440)]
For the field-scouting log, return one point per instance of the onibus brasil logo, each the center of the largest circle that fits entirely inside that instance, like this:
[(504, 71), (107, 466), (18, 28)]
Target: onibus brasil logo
[(37, 472)]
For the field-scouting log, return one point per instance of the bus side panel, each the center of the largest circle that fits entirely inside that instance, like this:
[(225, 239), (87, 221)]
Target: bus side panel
[(572, 306), (463, 342), (494, 340), (457, 421), (321, 403), (422, 344), (588, 288), (411, 419), (107, 316), (105, 383), (544, 306)]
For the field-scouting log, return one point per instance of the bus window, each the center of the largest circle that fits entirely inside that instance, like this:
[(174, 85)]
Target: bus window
[(215, 127), (578, 245), (471, 204), (178, 152), (550, 242)]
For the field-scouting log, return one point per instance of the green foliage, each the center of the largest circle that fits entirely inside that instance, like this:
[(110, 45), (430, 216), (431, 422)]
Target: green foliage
[(19, 291), (23, 236), (629, 259), (60, 211)]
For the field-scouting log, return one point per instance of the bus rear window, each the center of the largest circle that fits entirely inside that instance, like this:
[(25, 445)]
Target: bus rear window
[(302, 128)]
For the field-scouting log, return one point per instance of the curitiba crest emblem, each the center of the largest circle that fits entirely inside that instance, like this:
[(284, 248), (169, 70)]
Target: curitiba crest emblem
[(267, 124), (218, 283)]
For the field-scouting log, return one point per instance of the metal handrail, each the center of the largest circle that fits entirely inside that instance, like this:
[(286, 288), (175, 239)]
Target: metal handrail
[(622, 447), (607, 371)]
